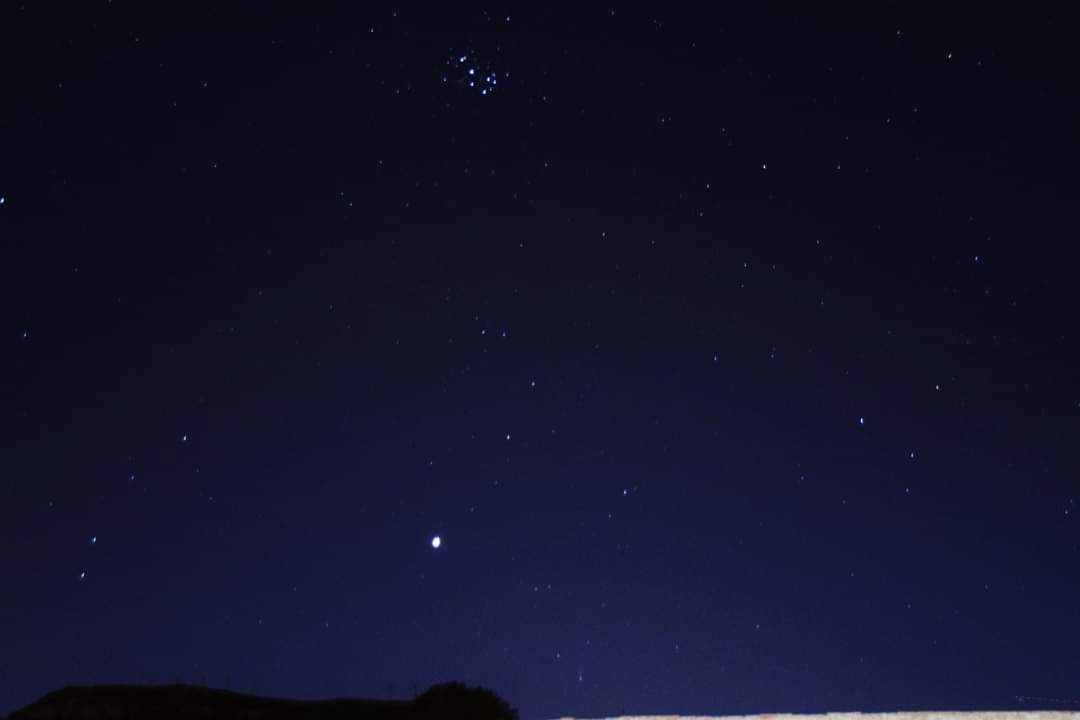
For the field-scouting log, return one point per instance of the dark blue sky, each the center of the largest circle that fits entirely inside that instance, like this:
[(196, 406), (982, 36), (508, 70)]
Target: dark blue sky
[(732, 356)]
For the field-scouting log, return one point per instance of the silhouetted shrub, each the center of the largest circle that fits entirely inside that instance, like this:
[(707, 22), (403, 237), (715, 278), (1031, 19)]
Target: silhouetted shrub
[(456, 701)]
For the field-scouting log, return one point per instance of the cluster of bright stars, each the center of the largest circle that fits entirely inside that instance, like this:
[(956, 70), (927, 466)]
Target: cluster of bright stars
[(468, 71)]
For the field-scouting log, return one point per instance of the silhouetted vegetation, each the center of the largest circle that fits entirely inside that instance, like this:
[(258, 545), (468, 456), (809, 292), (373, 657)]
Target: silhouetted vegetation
[(456, 701), (447, 701)]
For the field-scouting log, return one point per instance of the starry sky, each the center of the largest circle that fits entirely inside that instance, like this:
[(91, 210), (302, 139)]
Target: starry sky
[(730, 355)]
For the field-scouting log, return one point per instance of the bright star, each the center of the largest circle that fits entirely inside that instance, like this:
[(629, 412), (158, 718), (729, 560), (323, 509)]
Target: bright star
[(436, 542)]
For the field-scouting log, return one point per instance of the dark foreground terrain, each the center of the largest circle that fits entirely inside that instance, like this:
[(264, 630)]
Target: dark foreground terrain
[(174, 702)]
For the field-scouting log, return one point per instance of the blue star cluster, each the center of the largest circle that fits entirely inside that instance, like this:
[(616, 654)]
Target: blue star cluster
[(466, 70)]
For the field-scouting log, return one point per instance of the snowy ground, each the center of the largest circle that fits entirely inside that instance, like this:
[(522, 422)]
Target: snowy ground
[(989, 715)]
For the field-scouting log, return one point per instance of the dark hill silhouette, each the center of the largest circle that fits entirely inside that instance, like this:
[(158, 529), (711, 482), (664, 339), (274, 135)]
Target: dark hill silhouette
[(452, 701)]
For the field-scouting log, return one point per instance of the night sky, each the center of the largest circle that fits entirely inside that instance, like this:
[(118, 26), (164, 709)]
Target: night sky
[(732, 358)]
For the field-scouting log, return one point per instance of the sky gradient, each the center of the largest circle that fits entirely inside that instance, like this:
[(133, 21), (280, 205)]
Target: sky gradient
[(731, 356)]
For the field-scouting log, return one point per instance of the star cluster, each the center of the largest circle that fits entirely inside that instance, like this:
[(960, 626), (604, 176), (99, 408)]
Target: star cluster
[(467, 71)]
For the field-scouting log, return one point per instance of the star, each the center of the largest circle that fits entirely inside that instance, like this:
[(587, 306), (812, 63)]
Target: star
[(436, 542)]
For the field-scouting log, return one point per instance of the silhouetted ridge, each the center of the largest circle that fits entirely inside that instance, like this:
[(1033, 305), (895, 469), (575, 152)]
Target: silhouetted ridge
[(175, 702)]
